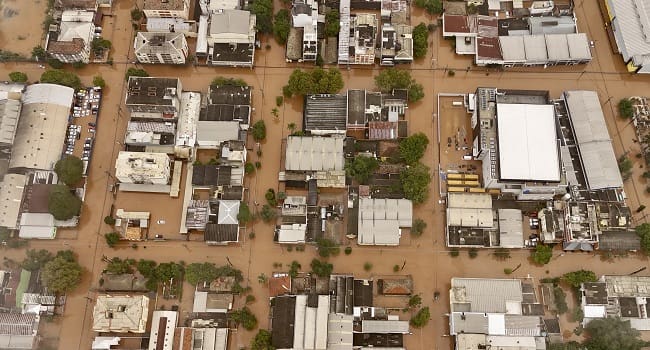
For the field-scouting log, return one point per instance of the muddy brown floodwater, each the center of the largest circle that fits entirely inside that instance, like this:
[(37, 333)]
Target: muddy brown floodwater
[(425, 258)]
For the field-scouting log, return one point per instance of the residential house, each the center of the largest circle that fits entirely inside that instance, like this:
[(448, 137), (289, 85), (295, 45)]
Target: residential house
[(161, 48), (71, 41), (358, 45), (304, 31), (167, 9), (162, 333), (121, 313), (153, 99), (231, 38), (18, 331), (293, 226), (143, 168)]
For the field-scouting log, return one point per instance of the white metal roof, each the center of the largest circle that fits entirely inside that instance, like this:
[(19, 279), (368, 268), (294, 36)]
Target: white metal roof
[(487, 294), (384, 326), (299, 321), (594, 144), (557, 47), (579, 46), (11, 194), (380, 220), (527, 142), (594, 311), (631, 22), (213, 133), (535, 46), (228, 211), (339, 331), (292, 233), (512, 48), (511, 233), (170, 323), (37, 226), (314, 153)]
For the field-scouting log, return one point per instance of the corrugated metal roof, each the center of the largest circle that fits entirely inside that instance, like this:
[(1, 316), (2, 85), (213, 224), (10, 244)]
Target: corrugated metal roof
[(487, 295), (631, 25), (384, 326)]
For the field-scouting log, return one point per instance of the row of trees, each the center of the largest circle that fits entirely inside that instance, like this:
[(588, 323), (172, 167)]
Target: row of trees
[(60, 273), (315, 81)]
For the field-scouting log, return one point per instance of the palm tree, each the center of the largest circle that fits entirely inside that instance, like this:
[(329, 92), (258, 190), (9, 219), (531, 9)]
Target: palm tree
[(291, 127)]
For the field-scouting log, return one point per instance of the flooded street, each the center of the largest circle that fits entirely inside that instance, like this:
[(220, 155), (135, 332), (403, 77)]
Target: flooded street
[(424, 258), (20, 25)]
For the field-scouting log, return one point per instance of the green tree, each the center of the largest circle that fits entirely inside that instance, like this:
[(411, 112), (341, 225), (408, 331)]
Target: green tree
[(542, 254), (263, 10), (109, 220), (431, 6), (392, 78), (54, 63), (147, 268), (415, 301), (36, 259), (643, 231), (69, 169), (262, 341), (625, 166), (112, 238), (420, 40), (196, 273), (100, 44), (576, 278), (412, 148), (244, 317), (332, 23), (281, 26), (167, 271), (625, 108), (117, 266), (612, 333), (62, 204), (361, 168), (367, 266), (244, 216), (98, 80), (136, 14), (421, 318), (135, 72), (67, 254), (61, 275), (327, 247), (61, 77), (572, 345), (418, 227), (415, 181), (18, 77), (223, 81), (258, 130), (560, 300), (315, 81), (268, 214), (39, 53), (321, 268), (294, 268)]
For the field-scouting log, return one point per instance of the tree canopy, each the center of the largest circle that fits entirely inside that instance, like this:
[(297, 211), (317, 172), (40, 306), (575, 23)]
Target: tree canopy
[(327, 247), (418, 227), (321, 268), (282, 26), (135, 72), (61, 275), (61, 77), (643, 231), (421, 318), (576, 278), (258, 130), (244, 317), (223, 81), (167, 271), (612, 333), (431, 6), (332, 23), (62, 204), (315, 81), (98, 80), (263, 10), (117, 266), (420, 40), (196, 273), (18, 77), (542, 254), (69, 169), (36, 259), (262, 341), (361, 168), (625, 108), (389, 79), (268, 214), (415, 181), (411, 149), (146, 267), (244, 216), (112, 238)]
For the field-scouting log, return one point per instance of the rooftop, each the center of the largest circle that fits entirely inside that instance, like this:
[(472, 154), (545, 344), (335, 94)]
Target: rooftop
[(11, 194), (211, 175), (484, 295), (121, 313), (173, 5), (150, 43), (325, 112), (314, 153), (18, 324), (152, 91), (230, 95), (380, 220), (162, 330)]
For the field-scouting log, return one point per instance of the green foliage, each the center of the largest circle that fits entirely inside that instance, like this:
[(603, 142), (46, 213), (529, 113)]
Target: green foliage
[(278, 102), (625, 108), (421, 318), (560, 300), (576, 278), (415, 181), (54, 63), (67, 254), (262, 341), (507, 271), (147, 268), (315, 81), (572, 345), (321, 268), (39, 53), (332, 23), (18, 77), (36, 259), (258, 130), (415, 301), (542, 254), (472, 252), (348, 250), (98, 80), (643, 231), (166, 271), (418, 227), (270, 197), (361, 168), (263, 10), (117, 266), (249, 168), (294, 268), (431, 6), (69, 169), (136, 14), (396, 268), (420, 40), (112, 238), (62, 204), (281, 26), (196, 273), (244, 317), (135, 72), (61, 77), (612, 333), (367, 266), (327, 247), (268, 214), (625, 166), (451, 73), (412, 148), (392, 78), (223, 81), (100, 44), (454, 252), (244, 216), (60, 275)]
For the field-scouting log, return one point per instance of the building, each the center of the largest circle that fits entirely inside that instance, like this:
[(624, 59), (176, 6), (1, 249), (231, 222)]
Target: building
[(299, 325), (225, 229), (167, 9), (325, 114), (162, 330), (205, 301), (145, 133), (357, 46), (396, 44), (293, 227), (161, 48), (381, 221), (627, 21), (121, 313), (231, 38), (151, 98), (228, 103), (71, 41), (624, 297), (143, 168), (18, 331), (41, 130), (315, 157), (201, 338), (501, 313), (11, 196), (10, 109), (304, 32), (471, 220), (86, 5)]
